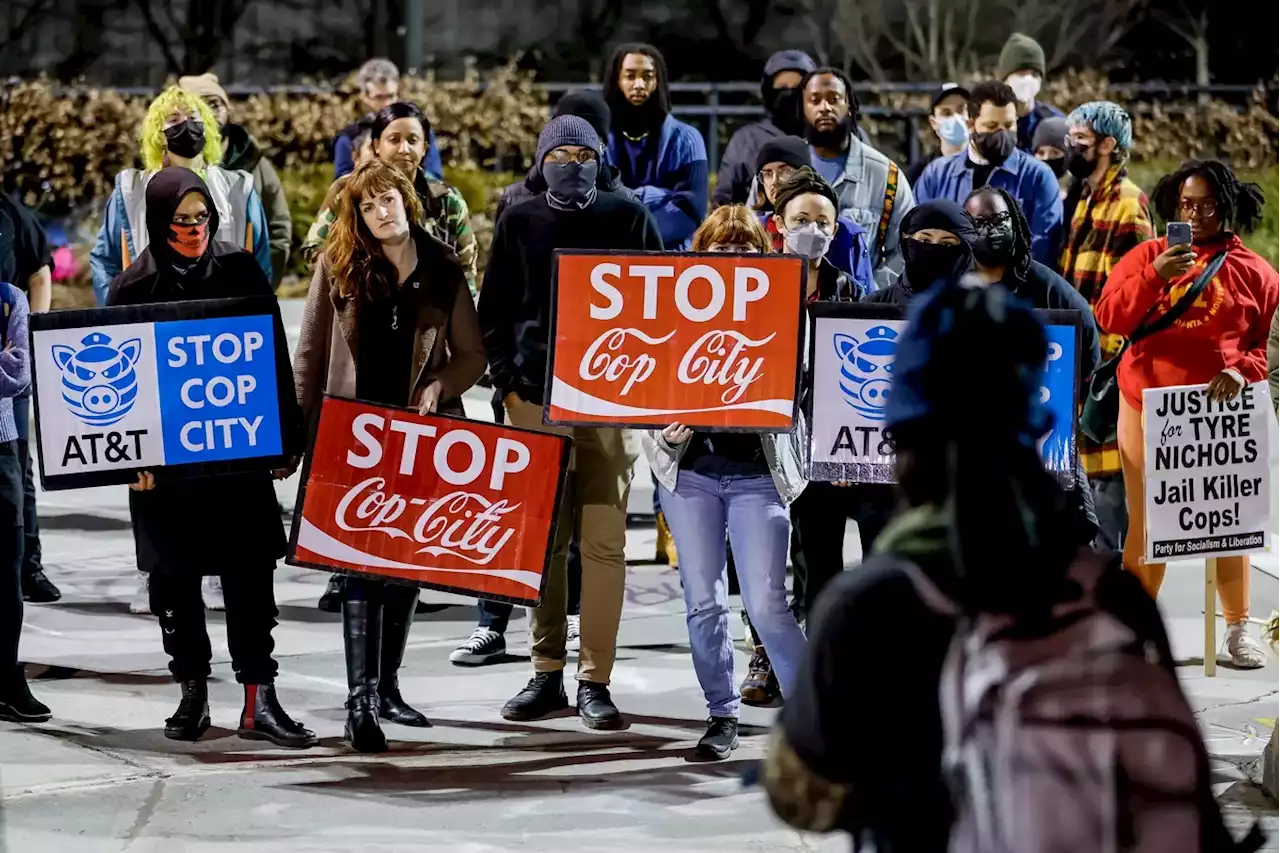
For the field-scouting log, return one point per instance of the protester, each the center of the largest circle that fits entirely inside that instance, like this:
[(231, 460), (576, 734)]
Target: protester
[(778, 160), (221, 525), (385, 360), (1022, 68), (515, 315), (240, 151), (379, 84), (780, 93), (26, 263), (1049, 146), (1107, 215), (587, 104), (741, 483), (992, 159), (936, 240), (17, 705), (870, 188), (1220, 340), (398, 136), (949, 119), (662, 159)]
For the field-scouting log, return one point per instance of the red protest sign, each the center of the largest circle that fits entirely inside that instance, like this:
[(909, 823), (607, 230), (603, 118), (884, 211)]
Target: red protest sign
[(649, 338), (440, 502)]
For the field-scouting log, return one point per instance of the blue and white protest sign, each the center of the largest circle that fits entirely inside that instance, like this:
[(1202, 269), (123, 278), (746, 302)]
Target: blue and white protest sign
[(194, 394), (852, 349)]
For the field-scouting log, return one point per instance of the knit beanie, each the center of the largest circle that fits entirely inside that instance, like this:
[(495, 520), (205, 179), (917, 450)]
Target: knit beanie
[(587, 104), (204, 86), (566, 130), (1051, 132), (1021, 53), (791, 150)]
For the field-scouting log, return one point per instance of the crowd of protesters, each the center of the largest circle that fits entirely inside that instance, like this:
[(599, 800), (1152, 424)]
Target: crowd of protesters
[(1022, 208)]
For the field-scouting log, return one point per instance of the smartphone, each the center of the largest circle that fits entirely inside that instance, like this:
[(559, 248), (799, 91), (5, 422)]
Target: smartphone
[(1178, 233)]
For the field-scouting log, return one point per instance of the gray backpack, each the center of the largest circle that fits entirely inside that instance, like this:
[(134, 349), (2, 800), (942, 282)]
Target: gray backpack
[(1076, 737)]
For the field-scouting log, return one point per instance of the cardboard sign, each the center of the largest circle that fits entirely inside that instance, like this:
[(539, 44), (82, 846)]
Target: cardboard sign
[(646, 339), (852, 349), (188, 387), (440, 502), (1208, 478)]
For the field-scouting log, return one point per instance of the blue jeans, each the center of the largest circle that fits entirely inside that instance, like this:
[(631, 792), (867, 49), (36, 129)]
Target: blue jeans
[(699, 511)]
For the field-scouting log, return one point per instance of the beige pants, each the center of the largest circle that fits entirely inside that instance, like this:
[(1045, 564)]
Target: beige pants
[(595, 507)]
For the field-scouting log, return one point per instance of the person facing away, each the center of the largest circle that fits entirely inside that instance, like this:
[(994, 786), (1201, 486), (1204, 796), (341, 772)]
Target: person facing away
[(780, 93), (778, 160), (378, 81), (992, 158), (388, 320), (515, 316), (663, 160), (240, 152), (179, 130), (870, 188), (228, 525), (949, 120), (587, 104), (739, 483), (1220, 340), (1021, 67), (1106, 216)]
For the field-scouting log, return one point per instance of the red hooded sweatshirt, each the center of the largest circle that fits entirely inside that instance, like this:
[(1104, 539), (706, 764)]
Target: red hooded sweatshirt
[(1227, 326)]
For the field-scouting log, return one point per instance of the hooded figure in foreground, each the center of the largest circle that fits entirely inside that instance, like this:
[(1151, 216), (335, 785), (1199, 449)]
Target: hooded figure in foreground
[(222, 525)]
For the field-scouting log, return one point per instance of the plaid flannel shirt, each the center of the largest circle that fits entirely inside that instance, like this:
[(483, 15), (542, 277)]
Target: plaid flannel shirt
[(1104, 226)]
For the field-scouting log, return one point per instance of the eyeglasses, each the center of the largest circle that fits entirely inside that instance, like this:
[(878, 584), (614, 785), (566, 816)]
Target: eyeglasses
[(1206, 209), (994, 220), (191, 221), (561, 157)]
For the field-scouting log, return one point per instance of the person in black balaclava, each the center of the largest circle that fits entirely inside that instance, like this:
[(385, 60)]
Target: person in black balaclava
[(780, 93), (225, 525), (935, 247), (663, 160)]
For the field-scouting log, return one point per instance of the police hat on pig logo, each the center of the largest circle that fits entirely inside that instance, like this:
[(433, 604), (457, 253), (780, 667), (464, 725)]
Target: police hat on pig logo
[(866, 369), (99, 384)]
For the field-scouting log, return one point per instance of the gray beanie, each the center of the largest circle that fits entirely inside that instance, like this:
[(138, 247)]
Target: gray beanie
[(566, 130)]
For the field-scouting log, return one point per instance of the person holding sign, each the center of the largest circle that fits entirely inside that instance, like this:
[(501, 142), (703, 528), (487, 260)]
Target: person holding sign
[(388, 320), (226, 525), (742, 483), (1222, 296)]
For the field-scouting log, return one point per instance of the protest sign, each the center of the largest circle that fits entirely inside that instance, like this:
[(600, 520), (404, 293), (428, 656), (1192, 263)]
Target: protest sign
[(852, 348), (1207, 474), (192, 388), (435, 501), (650, 338)]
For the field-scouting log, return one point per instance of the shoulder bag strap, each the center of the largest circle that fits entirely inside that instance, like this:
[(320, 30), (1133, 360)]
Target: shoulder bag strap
[(1184, 304), (890, 196)]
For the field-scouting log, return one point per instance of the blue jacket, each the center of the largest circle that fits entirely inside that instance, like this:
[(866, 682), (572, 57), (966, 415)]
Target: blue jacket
[(1027, 123), (344, 161), (1029, 181), (673, 185)]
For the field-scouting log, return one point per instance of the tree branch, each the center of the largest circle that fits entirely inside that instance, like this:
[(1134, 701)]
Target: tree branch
[(158, 34)]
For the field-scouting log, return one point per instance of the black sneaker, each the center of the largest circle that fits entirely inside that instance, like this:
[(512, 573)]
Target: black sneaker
[(596, 707), (483, 646), (720, 740), (17, 705), (543, 695), (38, 589)]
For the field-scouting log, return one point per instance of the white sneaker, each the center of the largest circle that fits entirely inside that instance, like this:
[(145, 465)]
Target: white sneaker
[(140, 604), (573, 640), (483, 646), (1245, 651), (212, 593)]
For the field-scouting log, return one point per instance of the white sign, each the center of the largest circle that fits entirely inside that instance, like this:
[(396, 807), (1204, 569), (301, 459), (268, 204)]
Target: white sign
[(1208, 481)]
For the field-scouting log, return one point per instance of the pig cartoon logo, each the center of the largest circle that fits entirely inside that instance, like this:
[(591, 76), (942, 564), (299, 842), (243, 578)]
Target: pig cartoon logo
[(99, 384), (866, 369)]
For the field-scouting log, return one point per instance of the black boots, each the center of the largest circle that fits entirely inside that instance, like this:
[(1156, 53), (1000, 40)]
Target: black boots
[(596, 708), (192, 717), (362, 635), (543, 695), (334, 593), (399, 605), (264, 719), (17, 705)]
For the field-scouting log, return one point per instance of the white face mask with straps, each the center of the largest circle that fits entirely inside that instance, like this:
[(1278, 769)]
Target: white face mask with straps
[(1025, 86)]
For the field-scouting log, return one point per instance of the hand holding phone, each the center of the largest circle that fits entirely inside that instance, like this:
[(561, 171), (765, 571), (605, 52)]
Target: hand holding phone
[(1178, 233)]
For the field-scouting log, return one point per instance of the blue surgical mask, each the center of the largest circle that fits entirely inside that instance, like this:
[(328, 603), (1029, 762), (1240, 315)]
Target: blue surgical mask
[(953, 130)]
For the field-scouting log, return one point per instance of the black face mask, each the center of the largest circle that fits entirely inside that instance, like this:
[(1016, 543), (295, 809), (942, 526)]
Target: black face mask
[(994, 245), (927, 262), (1058, 165), (1078, 162), (995, 146), (784, 110), (186, 139)]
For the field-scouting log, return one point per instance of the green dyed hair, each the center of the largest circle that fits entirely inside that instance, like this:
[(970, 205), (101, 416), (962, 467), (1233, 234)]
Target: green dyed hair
[(175, 100)]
